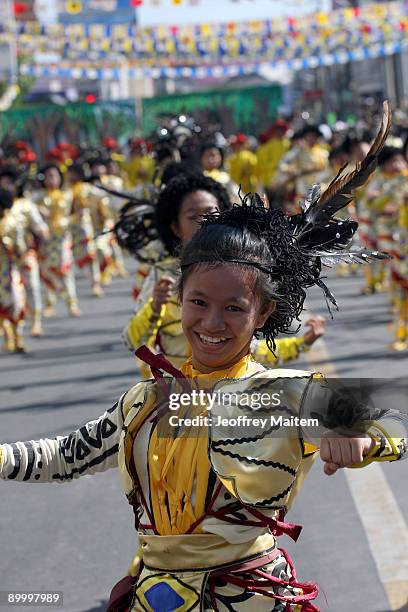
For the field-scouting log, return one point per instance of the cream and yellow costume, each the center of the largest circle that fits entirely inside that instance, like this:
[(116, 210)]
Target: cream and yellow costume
[(91, 216), (55, 253), (34, 230), (13, 302), (208, 501), (242, 167), (399, 271), (269, 155)]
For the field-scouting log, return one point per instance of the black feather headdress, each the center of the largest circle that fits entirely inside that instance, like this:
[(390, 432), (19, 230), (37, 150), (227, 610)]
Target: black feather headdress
[(136, 228), (318, 232), (299, 245)]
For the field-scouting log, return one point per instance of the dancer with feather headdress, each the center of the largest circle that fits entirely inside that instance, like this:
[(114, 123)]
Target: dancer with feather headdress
[(209, 503)]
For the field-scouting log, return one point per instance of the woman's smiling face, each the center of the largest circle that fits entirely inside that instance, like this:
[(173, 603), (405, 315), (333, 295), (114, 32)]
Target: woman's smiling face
[(220, 314)]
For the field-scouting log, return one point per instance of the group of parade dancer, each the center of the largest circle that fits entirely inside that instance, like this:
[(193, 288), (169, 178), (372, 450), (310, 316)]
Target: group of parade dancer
[(55, 221), (221, 280), (50, 225)]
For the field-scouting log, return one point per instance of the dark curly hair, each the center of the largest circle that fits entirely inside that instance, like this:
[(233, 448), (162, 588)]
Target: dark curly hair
[(135, 228), (171, 198), (261, 241)]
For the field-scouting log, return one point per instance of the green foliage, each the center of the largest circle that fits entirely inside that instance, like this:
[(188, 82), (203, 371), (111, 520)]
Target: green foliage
[(247, 110), (76, 123)]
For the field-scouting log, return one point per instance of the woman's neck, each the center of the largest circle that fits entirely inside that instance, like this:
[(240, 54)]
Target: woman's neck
[(204, 369)]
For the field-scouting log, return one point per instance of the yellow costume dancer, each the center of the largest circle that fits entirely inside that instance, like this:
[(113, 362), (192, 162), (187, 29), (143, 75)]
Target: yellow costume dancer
[(242, 164), (338, 158), (400, 276), (274, 145), (394, 171), (140, 166), (35, 231), (115, 183), (311, 159), (102, 221), (368, 224), (83, 233), (382, 199), (13, 303), (207, 518), (56, 256), (212, 161), (299, 168)]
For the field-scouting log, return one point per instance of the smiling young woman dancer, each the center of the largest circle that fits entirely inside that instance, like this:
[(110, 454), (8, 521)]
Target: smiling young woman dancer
[(157, 318), (207, 527)]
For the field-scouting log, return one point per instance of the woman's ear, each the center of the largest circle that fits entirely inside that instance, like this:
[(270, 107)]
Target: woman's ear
[(265, 313), (175, 229)]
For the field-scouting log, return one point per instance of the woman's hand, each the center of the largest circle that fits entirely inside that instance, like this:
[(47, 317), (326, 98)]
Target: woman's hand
[(162, 292), (338, 452), (317, 328)]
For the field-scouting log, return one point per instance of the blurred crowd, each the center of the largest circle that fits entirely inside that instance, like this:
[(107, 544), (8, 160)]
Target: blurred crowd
[(55, 219)]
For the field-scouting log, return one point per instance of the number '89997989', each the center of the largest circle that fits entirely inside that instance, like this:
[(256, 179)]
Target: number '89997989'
[(31, 598)]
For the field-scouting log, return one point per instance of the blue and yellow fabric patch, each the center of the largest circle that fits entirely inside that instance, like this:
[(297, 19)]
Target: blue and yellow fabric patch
[(166, 593)]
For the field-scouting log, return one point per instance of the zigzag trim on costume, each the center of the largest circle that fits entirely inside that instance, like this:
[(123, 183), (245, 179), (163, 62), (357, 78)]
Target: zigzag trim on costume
[(274, 464), (275, 498), (233, 441)]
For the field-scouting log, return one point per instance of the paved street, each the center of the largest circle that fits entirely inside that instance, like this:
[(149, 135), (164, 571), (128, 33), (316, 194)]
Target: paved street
[(79, 539)]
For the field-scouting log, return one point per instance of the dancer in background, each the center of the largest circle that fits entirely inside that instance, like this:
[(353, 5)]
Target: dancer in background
[(33, 230), (212, 165), (242, 164), (83, 234), (56, 256), (13, 301)]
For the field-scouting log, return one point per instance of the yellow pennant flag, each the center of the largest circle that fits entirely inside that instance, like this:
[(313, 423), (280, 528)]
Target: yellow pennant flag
[(322, 18), (348, 14), (74, 6), (205, 29)]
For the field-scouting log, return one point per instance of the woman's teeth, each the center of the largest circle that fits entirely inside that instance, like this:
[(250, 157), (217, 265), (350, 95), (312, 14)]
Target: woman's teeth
[(209, 340)]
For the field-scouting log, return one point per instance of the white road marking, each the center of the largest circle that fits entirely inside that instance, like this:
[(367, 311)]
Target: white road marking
[(381, 518)]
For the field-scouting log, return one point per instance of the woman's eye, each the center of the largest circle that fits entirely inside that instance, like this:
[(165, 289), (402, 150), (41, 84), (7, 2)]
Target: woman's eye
[(234, 308), (198, 302)]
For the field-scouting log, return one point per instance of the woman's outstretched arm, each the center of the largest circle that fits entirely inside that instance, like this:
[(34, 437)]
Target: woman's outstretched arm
[(90, 449)]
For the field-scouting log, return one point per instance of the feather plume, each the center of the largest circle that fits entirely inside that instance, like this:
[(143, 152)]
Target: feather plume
[(359, 256), (311, 198), (336, 234), (330, 299), (340, 191), (120, 194), (136, 228)]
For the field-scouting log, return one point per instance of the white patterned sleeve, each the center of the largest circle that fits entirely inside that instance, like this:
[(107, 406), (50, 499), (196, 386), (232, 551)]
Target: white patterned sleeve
[(90, 449)]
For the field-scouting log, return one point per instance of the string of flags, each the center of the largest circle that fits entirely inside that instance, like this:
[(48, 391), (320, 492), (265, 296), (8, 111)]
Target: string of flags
[(366, 18), (205, 72), (77, 6), (208, 50), (222, 44)]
